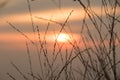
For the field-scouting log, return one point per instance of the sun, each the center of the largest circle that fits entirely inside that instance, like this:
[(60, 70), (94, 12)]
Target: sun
[(62, 37)]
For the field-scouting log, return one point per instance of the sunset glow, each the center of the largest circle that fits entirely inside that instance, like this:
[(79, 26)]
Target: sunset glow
[(63, 37), (59, 39), (55, 15), (50, 37)]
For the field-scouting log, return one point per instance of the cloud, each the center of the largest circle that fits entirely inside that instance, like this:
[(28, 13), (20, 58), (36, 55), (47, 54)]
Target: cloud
[(3, 3), (55, 15)]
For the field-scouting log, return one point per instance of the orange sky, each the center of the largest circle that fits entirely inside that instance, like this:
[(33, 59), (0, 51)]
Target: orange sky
[(16, 12), (19, 16)]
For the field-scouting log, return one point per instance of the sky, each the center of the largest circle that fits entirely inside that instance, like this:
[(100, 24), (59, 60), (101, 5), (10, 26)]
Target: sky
[(12, 44), (16, 12)]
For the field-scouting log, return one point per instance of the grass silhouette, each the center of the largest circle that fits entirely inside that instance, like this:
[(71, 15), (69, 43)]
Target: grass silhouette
[(96, 62)]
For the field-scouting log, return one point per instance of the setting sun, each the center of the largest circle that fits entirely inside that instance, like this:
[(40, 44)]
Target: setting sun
[(63, 37)]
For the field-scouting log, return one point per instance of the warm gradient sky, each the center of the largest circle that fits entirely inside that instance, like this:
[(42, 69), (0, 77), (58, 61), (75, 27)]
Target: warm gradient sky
[(12, 44)]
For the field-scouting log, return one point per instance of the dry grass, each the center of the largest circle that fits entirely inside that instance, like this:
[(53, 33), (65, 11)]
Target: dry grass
[(91, 63)]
